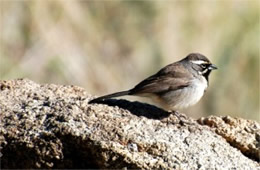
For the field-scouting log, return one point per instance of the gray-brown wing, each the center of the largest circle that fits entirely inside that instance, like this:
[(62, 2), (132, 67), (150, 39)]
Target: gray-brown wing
[(171, 77)]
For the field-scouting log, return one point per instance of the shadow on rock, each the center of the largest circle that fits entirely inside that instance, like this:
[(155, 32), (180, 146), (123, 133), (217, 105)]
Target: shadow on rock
[(137, 108)]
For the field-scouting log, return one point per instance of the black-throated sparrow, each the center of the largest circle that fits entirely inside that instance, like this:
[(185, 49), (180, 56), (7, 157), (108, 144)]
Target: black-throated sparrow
[(177, 85)]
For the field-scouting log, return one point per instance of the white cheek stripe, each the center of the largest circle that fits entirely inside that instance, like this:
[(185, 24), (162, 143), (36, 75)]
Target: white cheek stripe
[(203, 72), (199, 62)]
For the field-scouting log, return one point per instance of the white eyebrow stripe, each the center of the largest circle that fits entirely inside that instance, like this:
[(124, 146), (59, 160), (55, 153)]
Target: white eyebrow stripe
[(199, 62)]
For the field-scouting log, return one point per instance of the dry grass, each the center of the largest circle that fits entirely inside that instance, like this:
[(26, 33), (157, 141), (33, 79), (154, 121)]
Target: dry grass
[(106, 46)]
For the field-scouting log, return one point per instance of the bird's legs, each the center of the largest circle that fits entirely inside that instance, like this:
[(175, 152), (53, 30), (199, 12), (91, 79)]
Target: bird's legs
[(180, 117)]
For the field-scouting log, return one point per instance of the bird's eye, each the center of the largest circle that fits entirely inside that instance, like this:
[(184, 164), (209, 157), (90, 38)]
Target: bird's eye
[(203, 65)]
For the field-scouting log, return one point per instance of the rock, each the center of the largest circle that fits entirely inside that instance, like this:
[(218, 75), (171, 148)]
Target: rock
[(239, 133), (53, 126)]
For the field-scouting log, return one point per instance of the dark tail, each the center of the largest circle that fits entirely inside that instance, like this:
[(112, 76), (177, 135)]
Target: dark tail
[(122, 93)]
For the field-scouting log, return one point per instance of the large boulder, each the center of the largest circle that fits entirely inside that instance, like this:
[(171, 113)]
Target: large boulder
[(53, 126)]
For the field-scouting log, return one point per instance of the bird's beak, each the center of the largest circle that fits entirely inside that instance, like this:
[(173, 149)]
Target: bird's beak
[(212, 67)]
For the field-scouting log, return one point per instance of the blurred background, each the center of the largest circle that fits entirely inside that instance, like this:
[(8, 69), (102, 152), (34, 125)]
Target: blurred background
[(108, 46)]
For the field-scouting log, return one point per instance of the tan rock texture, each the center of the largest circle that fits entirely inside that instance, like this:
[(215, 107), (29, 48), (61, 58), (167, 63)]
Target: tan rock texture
[(240, 133), (53, 126)]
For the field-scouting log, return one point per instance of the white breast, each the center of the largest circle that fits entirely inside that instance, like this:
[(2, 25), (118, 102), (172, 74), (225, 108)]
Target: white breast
[(186, 96)]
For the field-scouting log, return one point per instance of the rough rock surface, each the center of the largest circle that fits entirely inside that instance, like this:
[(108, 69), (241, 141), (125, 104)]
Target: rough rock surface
[(240, 133), (53, 126)]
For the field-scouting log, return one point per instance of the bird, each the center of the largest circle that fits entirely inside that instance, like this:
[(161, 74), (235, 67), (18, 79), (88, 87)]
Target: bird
[(175, 86)]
